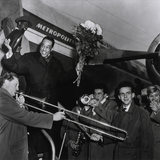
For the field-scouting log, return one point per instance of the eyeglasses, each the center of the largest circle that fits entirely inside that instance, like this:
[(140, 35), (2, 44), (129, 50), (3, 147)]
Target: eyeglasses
[(125, 94)]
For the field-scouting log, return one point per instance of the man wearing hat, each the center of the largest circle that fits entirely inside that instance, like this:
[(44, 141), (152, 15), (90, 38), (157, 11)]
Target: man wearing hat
[(19, 42), (23, 22)]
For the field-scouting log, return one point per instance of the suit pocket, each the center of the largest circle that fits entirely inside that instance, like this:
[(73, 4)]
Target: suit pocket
[(19, 146)]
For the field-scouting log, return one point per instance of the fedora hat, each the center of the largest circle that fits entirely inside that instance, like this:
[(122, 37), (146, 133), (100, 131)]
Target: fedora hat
[(24, 18)]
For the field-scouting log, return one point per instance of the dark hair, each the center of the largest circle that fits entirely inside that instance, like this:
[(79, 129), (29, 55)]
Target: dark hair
[(100, 86), (152, 89), (125, 84), (50, 39), (9, 76)]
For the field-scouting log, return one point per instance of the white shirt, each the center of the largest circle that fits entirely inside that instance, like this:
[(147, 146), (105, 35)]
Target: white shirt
[(127, 108)]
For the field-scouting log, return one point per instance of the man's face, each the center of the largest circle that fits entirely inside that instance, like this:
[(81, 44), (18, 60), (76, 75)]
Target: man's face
[(45, 48), (22, 25), (155, 96), (126, 95), (12, 86), (99, 94)]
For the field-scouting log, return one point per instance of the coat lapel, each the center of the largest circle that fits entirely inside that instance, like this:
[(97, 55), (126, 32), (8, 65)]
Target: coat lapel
[(125, 117)]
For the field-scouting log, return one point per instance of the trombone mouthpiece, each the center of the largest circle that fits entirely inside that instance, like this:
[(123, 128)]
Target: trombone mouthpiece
[(19, 92)]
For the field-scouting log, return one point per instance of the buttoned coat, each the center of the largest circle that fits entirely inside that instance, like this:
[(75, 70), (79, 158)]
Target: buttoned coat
[(104, 113), (139, 144), (13, 130)]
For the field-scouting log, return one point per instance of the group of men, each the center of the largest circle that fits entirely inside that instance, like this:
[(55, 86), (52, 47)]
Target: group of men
[(42, 72), (142, 139)]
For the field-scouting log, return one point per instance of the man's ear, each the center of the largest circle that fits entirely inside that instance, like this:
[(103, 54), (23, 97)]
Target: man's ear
[(133, 95), (5, 82), (119, 97)]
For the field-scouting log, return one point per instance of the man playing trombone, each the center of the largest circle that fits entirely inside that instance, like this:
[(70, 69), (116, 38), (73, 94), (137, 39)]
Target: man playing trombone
[(14, 118)]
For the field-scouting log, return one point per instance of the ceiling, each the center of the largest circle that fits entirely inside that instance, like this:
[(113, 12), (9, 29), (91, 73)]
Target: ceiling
[(126, 24)]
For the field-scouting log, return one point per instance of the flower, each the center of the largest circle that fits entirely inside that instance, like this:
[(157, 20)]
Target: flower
[(89, 25), (99, 29), (88, 35)]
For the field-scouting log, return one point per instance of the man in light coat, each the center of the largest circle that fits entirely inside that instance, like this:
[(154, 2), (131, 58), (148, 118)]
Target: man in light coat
[(136, 122)]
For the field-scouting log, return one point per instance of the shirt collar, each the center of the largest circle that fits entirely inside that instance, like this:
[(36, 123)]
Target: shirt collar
[(127, 108), (39, 57), (48, 58), (103, 100)]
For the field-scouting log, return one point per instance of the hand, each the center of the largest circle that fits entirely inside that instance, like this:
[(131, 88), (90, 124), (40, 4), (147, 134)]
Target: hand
[(7, 44), (79, 68), (59, 116), (20, 100), (73, 144), (155, 106), (9, 53), (96, 137), (94, 103)]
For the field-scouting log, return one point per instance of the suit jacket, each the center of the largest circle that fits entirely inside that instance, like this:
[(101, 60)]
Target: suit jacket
[(107, 110), (41, 77), (13, 131), (139, 144)]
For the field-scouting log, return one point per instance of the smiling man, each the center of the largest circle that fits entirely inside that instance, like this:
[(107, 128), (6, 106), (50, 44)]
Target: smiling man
[(136, 121)]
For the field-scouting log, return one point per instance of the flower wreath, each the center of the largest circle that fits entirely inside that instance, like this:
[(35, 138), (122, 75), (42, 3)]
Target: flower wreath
[(88, 35)]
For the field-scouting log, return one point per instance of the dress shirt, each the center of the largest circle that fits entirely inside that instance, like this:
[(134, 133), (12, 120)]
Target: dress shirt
[(126, 108)]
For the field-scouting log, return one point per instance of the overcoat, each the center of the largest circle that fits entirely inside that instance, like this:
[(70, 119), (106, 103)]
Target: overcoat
[(104, 113), (139, 144), (13, 130), (156, 132)]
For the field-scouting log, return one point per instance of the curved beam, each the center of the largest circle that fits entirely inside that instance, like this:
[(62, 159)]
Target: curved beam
[(151, 70)]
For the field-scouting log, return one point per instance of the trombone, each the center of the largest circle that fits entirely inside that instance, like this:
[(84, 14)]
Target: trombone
[(68, 112)]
